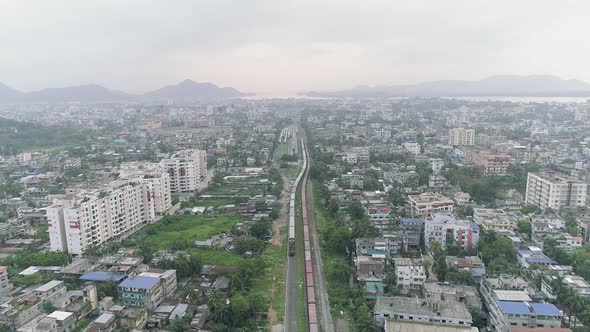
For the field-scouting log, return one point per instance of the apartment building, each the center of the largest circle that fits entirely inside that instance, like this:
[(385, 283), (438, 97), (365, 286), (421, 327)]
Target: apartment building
[(425, 204), (186, 169), (461, 136), (5, 286), (554, 190), (93, 217), (436, 312), (490, 163), (494, 219), (444, 228), (153, 174), (410, 273), (514, 314), (142, 291)]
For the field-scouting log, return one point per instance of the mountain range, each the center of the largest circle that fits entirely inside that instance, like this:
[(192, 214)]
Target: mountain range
[(505, 85), (185, 91)]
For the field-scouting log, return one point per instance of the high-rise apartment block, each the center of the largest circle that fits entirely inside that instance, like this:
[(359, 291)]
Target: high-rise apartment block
[(186, 168), (554, 190), (93, 217), (461, 136)]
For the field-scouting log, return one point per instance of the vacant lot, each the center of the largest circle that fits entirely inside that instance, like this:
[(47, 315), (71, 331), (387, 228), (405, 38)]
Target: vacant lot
[(189, 228)]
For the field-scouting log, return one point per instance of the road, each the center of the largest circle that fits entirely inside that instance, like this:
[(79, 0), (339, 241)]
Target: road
[(321, 291)]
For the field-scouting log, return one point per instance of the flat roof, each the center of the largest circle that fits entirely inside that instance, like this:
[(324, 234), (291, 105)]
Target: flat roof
[(402, 326), (48, 286), (60, 315), (103, 276), (140, 282)]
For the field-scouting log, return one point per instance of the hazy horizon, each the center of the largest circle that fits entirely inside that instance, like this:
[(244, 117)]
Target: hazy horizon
[(281, 48)]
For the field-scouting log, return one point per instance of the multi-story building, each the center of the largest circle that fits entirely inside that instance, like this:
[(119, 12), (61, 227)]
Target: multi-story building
[(142, 291), (5, 286), (413, 229), (94, 217), (512, 314), (370, 268), (490, 163), (167, 278), (412, 147), (410, 273), (494, 219), (425, 204), (461, 136), (150, 173), (444, 228), (554, 190), (435, 311), (186, 168)]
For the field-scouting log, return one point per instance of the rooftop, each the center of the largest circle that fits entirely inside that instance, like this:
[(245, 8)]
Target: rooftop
[(526, 308), (416, 306), (140, 282)]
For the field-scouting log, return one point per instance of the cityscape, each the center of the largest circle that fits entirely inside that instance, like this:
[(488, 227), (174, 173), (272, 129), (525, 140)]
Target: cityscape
[(256, 167)]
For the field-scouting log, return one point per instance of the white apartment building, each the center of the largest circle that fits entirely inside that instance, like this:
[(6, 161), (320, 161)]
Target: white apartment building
[(554, 190), (410, 272), (412, 147), (94, 217), (442, 227), (150, 173), (5, 286), (461, 136), (425, 204), (186, 169)]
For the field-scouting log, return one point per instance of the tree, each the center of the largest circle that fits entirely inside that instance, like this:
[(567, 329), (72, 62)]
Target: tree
[(339, 240), (239, 308), (108, 288), (391, 279), (356, 210), (179, 325), (261, 229), (435, 247), (575, 303), (396, 197), (364, 320), (427, 263), (525, 228), (48, 307), (530, 209), (440, 267)]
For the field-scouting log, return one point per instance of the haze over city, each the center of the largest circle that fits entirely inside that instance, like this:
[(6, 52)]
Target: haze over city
[(284, 47)]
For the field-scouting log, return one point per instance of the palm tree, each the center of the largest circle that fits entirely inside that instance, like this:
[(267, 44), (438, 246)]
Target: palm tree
[(575, 302)]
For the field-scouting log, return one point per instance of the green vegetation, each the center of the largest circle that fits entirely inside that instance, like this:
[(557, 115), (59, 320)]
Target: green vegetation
[(19, 137), (280, 151), (217, 257), (172, 229), (293, 171), (497, 253), (24, 259)]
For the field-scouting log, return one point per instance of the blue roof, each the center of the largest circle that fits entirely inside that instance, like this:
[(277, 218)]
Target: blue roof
[(412, 220), (140, 282), (508, 307), (524, 308), (540, 260), (102, 276), (474, 226), (546, 309), (524, 252)]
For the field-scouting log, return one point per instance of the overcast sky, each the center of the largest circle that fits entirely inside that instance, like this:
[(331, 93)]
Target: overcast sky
[(282, 46)]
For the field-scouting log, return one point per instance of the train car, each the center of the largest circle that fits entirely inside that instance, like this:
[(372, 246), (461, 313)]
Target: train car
[(291, 240), (309, 279), (307, 255), (313, 328), (310, 294), (312, 313), (306, 245)]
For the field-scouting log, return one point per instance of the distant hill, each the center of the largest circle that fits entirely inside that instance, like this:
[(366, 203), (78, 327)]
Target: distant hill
[(8, 93), (506, 85), (81, 93), (186, 91)]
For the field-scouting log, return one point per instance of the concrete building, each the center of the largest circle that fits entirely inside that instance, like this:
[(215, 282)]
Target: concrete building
[(443, 228), (144, 292), (490, 163), (94, 217), (57, 321), (167, 278), (438, 312), (554, 190), (150, 173), (425, 204), (514, 314), (461, 136), (5, 285), (494, 219), (412, 147), (410, 273), (186, 168)]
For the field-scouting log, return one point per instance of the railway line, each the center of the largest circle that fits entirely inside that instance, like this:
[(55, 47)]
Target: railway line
[(316, 301)]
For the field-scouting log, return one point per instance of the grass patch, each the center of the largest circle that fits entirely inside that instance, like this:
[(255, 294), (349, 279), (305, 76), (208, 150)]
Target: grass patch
[(293, 171), (339, 292), (280, 151), (275, 257), (218, 257), (190, 228)]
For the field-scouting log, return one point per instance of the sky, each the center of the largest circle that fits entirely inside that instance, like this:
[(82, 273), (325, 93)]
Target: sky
[(280, 47)]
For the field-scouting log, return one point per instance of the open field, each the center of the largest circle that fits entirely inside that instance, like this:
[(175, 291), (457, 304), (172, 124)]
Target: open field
[(281, 150), (190, 228)]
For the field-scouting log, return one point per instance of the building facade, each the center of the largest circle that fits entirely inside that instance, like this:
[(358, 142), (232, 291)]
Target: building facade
[(461, 136), (554, 190), (425, 204), (186, 168), (445, 229)]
